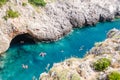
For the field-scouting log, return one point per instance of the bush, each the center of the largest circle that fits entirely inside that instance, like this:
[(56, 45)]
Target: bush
[(102, 64), (37, 2), (114, 76), (75, 77), (24, 4), (2, 2), (11, 14)]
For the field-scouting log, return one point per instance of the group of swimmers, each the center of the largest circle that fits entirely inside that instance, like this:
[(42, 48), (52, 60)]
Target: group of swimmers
[(24, 66), (42, 54)]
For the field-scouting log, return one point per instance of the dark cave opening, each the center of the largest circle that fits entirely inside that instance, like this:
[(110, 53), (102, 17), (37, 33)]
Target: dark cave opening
[(22, 39)]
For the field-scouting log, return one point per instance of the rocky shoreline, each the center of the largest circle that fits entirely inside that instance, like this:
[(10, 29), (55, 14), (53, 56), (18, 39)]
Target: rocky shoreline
[(55, 20), (83, 69)]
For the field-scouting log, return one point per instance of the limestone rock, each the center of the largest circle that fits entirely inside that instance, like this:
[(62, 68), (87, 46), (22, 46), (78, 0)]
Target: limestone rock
[(4, 43), (56, 19)]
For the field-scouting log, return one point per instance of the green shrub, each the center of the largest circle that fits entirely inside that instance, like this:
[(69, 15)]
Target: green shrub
[(37, 2), (2, 2), (24, 4), (114, 76), (75, 77), (102, 64), (11, 14)]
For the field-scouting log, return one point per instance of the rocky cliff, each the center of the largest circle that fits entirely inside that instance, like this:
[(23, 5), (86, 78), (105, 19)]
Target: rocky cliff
[(83, 69), (56, 19)]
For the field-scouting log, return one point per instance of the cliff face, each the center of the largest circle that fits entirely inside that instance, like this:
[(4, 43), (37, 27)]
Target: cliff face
[(53, 21), (83, 69)]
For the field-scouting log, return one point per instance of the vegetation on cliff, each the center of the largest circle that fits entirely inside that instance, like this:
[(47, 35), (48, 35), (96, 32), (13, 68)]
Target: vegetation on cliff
[(114, 76), (101, 64), (37, 2), (11, 14), (2, 2), (24, 4)]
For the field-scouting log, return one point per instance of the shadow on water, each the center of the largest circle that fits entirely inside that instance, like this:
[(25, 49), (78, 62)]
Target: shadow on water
[(22, 39)]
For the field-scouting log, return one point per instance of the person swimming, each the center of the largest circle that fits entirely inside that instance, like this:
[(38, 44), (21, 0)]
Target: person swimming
[(62, 51), (22, 42), (81, 48), (42, 54), (47, 67), (24, 66)]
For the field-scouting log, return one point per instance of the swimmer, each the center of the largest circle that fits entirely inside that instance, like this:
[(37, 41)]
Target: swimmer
[(81, 48), (48, 65), (24, 66), (62, 51), (21, 42), (42, 54), (34, 78)]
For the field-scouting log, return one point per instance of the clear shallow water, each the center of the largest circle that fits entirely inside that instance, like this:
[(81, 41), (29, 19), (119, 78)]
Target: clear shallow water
[(11, 62)]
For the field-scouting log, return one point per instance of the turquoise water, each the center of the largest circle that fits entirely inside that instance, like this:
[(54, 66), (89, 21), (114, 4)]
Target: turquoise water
[(11, 62)]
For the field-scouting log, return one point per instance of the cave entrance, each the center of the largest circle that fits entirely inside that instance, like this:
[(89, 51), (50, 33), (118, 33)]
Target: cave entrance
[(22, 39)]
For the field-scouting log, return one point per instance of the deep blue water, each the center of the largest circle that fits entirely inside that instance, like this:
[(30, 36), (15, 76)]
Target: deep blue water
[(11, 62)]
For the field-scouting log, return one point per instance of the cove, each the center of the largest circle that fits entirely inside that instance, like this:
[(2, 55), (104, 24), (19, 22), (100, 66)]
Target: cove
[(69, 46)]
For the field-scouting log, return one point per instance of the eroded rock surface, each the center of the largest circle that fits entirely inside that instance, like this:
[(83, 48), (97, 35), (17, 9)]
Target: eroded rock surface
[(56, 19), (83, 69)]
